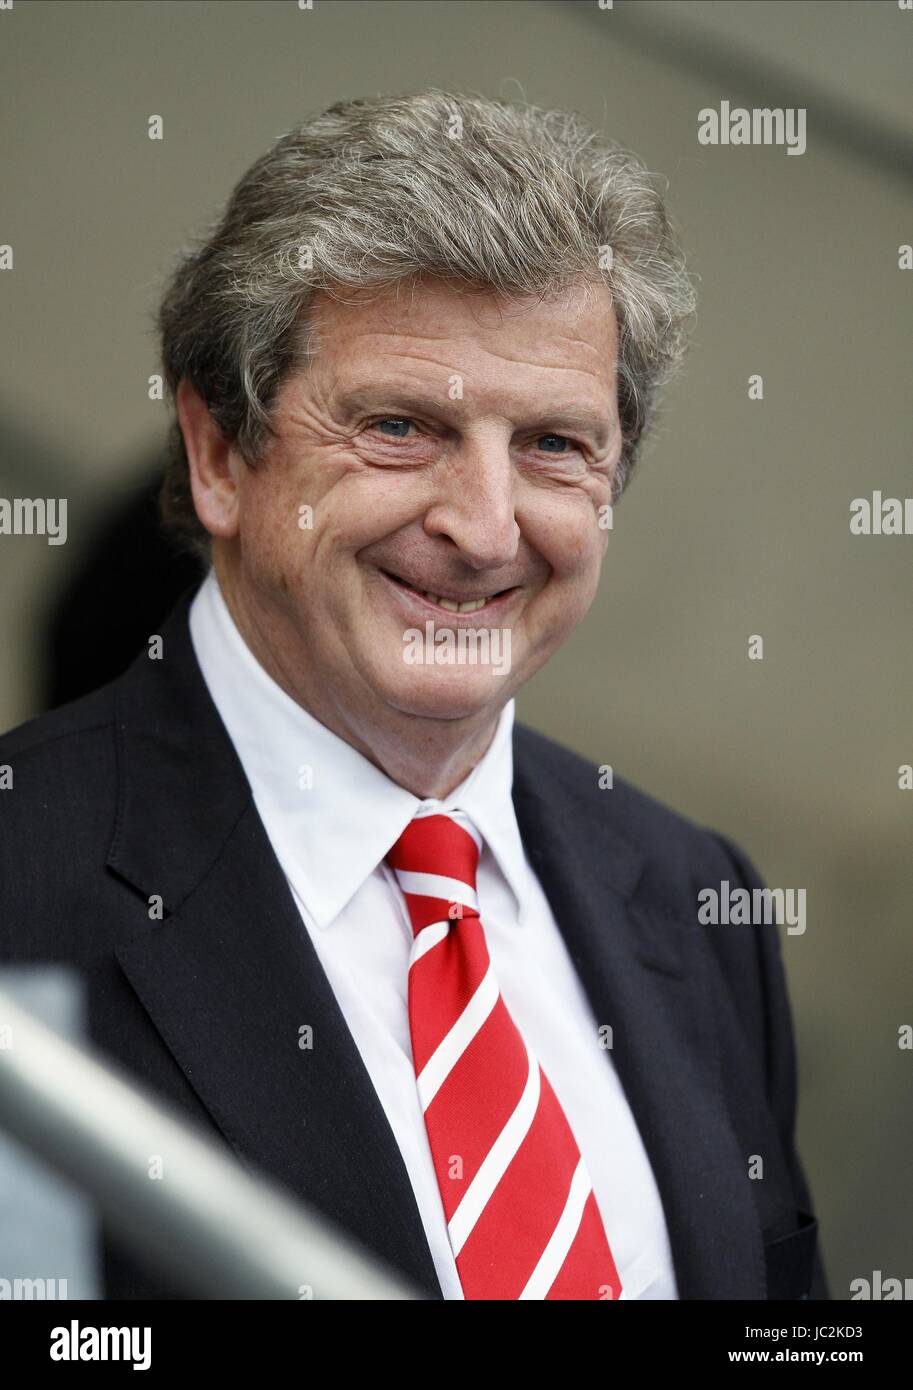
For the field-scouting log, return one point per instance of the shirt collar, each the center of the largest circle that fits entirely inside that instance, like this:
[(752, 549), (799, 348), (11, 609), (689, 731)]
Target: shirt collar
[(331, 814)]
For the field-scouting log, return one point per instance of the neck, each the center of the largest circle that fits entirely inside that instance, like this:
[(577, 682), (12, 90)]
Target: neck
[(427, 757), (425, 764)]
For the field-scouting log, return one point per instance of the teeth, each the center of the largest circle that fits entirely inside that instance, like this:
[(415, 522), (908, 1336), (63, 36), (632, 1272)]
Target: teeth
[(453, 607), (450, 604)]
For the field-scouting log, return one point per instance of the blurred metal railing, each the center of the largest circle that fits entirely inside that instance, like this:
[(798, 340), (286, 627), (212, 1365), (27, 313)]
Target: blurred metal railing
[(208, 1225)]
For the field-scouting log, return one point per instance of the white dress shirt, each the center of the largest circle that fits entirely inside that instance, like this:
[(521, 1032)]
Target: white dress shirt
[(331, 817)]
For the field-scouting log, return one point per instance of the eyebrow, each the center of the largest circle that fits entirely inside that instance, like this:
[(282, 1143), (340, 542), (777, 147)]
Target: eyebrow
[(564, 418)]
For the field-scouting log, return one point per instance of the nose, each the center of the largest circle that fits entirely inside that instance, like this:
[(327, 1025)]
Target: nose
[(474, 506)]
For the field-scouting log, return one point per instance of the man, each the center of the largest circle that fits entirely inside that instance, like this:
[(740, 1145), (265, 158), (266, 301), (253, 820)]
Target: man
[(408, 957)]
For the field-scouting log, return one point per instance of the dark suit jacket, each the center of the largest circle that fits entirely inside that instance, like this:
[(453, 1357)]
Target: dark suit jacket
[(136, 790)]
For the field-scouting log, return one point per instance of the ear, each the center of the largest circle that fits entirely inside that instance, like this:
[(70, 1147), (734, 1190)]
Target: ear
[(212, 461)]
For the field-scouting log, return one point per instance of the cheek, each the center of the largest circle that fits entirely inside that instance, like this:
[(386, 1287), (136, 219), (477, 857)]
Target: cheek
[(290, 509), (577, 588), (569, 539), (573, 546), (353, 502), (270, 538), (270, 496)]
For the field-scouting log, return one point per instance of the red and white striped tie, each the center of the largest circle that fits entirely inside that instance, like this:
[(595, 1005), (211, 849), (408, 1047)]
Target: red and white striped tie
[(519, 1203)]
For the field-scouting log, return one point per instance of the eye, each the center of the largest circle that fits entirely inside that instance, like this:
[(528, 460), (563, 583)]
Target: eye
[(399, 426), (551, 440)]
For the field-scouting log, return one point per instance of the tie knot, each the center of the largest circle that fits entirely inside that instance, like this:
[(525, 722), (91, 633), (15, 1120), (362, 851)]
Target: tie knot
[(435, 862)]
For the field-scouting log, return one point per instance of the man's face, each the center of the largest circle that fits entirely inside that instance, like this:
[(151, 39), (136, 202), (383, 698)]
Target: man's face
[(450, 447)]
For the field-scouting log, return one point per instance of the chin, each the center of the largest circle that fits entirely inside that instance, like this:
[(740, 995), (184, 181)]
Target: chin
[(439, 694)]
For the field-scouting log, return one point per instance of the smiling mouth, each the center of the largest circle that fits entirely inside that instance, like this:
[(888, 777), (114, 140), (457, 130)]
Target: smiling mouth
[(449, 603)]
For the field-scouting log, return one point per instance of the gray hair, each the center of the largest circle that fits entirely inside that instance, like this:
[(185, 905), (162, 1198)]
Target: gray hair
[(381, 191)]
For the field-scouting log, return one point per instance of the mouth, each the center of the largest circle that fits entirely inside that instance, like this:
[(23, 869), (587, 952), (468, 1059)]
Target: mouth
[(451, 603)]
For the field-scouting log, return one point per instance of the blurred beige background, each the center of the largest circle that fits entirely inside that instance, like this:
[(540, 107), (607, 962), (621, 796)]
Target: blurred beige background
[(738, 522)]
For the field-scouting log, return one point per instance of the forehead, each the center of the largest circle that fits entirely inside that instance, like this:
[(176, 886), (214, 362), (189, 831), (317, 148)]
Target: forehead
[(432, 327)]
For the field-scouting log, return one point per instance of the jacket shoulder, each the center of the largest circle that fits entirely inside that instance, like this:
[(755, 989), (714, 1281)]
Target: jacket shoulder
[(59, 802), (75, 722)]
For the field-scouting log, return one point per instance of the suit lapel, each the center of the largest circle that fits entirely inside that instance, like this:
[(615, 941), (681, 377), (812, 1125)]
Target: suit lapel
[(644, 977), (230, 977)]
